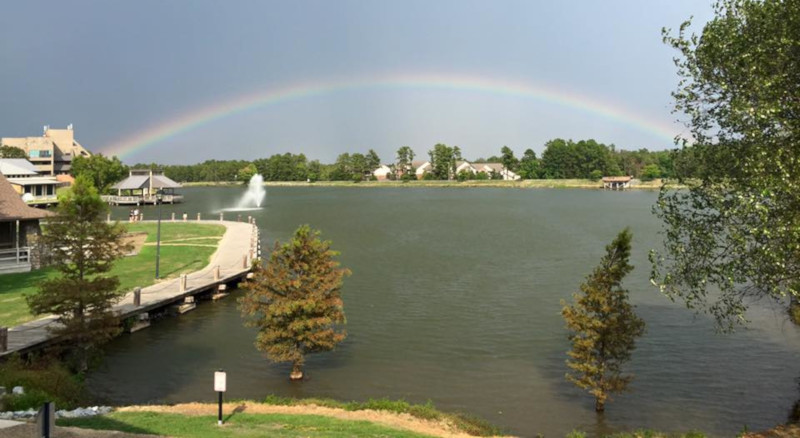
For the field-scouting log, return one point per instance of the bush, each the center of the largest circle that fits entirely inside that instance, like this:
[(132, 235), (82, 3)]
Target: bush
[(44, 379), (595, 175)]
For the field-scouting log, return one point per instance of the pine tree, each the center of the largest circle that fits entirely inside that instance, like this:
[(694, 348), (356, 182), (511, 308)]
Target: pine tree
[(603, 326), (83, 248), (295, 301)]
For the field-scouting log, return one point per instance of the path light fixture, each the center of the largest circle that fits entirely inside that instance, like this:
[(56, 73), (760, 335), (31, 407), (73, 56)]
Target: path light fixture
[(220, 386), (159, 197)]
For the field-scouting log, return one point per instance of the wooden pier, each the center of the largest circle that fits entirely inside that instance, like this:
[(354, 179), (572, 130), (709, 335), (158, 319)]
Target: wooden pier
[(229, 265)]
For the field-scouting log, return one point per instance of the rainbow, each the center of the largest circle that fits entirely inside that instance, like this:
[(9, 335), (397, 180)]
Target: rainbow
[(187, 122)]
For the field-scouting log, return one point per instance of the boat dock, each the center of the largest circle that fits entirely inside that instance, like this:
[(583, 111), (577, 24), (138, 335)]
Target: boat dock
[(229, 265)]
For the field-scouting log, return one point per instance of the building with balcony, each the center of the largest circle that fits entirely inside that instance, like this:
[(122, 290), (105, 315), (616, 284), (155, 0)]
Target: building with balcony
[(33, 188), (52, 153)]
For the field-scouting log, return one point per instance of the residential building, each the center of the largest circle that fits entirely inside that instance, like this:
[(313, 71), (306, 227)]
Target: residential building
[(382, 173), (421, 167), (19, 231), (52, 153)]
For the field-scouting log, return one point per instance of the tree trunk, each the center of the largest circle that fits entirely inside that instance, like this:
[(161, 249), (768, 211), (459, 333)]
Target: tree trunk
[(297, 372), (599, 405)]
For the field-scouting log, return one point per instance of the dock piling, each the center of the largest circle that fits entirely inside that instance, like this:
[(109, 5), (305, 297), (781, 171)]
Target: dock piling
[(3, 339), (198, 217), (244, 261), (221, 217), (137, 296), (216, 273), (173, 216), (182, 283)]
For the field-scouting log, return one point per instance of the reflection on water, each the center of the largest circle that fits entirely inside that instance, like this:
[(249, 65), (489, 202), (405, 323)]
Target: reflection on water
[(454, 298)]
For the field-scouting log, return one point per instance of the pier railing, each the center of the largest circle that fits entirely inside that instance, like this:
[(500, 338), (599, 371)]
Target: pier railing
[(15, 256)]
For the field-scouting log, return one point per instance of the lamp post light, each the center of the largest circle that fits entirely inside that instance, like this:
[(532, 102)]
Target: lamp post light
[(220, 386), (159, 196)]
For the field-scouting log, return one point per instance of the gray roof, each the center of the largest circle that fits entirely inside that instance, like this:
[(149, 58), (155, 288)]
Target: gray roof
[(17, 166), (136, 182)]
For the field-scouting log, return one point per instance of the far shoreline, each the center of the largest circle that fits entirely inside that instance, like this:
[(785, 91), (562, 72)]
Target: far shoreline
[(655, 184)]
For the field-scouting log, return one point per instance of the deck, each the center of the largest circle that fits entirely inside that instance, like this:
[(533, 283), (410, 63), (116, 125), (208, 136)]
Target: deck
[(237, 248), (140, 200)]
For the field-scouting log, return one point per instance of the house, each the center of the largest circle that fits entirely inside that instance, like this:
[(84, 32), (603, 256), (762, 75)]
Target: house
[(488, 168), (19, 231), (142, 186), (421, 167), (617, 182), (52, 153), (26, 181), (382, 173)]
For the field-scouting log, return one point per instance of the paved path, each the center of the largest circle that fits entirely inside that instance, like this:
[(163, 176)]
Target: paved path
[(4, 424), (240, 240)]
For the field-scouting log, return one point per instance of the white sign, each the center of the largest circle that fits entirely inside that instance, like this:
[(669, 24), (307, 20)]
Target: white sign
[(219, 381)]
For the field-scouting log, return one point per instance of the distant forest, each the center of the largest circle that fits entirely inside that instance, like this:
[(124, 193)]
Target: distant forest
[(561, 159)]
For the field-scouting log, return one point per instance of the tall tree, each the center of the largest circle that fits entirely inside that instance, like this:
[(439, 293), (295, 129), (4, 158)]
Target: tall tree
[(373, 161), (603, 326), (12, 152), (443, 160), (102, 170), (529, 165), (405, 156), (510, 162), (734, 235), (295, 301), (83, 247)]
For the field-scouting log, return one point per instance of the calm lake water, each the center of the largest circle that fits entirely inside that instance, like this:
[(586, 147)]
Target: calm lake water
[(454, 298)]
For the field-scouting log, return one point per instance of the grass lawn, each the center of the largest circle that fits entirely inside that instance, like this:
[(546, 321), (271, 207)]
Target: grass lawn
[(237, 425), (185, 247)]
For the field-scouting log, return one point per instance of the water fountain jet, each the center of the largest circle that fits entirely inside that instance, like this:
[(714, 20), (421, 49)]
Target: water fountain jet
[(253, 197)]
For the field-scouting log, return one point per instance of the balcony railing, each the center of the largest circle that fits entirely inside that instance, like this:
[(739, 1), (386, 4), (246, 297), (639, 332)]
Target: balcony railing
[(15, 256)]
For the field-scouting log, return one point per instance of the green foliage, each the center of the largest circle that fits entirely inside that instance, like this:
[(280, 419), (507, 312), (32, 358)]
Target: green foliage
[(405, 157), (44, 379), (246, 172), (568, 159), (596, 175), (603, 326), (101, 170), (83, 247), (443, 161), (510, 162), (651, 172), (295, 301), (12, 152), (529, 165), (734, 235)]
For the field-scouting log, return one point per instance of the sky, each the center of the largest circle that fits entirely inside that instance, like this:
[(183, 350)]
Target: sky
[(185, 81)]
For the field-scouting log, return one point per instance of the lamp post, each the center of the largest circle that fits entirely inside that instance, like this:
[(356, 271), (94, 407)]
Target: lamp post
[(159, 195)]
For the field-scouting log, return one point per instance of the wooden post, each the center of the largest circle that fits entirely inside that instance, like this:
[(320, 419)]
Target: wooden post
[(182, 283), (238, 218), (173, 216), (3, 339), (108, 217), (137, 296), (198, 216), (249, 219), (221, 217), (216, 273), (244, 261), (141, 216)]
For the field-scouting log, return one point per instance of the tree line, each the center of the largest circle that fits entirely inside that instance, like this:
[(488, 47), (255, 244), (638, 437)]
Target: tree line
[(561, 159)]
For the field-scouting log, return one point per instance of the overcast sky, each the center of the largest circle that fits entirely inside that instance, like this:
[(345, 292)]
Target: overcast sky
[(117, 70)]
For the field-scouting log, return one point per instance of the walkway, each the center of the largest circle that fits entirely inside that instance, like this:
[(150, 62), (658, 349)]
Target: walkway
[(234, 254)]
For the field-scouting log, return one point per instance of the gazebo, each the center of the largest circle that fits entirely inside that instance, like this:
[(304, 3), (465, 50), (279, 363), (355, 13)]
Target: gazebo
[(141, 187), (19, 229)]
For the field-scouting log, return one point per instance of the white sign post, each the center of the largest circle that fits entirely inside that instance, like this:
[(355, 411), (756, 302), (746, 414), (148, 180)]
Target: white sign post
[(220, 383)]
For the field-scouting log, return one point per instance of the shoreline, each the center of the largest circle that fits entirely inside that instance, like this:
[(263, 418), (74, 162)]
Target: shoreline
[(521, 184)]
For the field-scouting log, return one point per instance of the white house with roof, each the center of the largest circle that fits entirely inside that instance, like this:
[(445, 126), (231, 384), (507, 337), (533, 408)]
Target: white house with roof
[(421, 167), (34, 188), (382, 173)]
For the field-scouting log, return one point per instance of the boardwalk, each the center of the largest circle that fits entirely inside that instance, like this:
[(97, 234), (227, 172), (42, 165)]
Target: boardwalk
[(236, 249)]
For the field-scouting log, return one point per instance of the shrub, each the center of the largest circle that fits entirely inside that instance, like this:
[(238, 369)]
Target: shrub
[(44, 379)]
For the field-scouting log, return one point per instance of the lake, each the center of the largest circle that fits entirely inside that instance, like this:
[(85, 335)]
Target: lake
[(455, 298)]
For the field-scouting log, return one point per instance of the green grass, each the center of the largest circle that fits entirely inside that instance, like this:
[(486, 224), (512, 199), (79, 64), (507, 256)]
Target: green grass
[(467, 423), (236, 425), (197, 244)]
